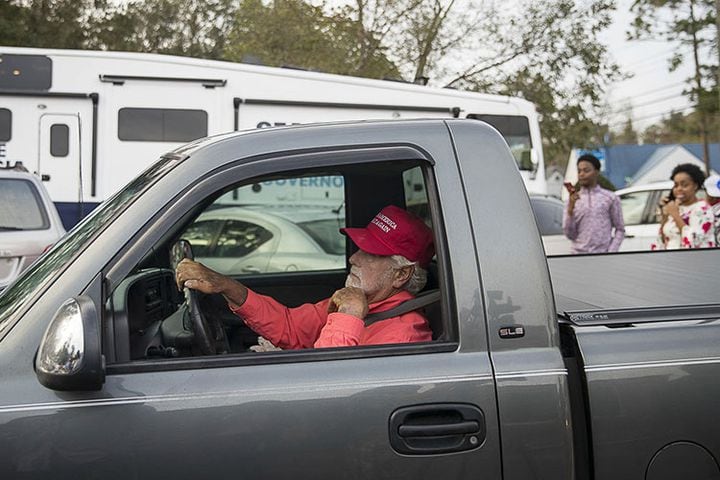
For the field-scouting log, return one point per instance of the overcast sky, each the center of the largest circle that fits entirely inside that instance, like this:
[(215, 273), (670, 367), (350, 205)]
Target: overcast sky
[(652, 90)]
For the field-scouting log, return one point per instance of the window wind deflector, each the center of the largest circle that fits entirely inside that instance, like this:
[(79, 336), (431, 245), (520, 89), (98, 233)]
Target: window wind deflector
[(624, 316)]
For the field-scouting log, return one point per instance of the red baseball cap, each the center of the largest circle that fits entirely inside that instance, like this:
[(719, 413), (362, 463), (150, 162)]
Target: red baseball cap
[(395, 231)]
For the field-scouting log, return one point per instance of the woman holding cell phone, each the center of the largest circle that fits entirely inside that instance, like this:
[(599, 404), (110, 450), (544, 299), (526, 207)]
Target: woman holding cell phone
[(687, 221)]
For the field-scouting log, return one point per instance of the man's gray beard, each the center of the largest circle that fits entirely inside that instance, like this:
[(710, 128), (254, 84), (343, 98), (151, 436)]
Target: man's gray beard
[(352, 281)]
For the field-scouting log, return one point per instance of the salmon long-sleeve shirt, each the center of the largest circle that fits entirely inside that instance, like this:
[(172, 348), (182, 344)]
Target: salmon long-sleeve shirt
[(310, 325)]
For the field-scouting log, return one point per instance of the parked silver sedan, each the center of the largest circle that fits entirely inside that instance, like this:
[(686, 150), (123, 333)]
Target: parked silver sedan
[(29, 223), (242, 241)]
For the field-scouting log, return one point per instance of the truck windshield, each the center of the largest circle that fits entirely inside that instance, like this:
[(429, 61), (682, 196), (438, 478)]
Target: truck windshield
[(15, 297), (516, 131)]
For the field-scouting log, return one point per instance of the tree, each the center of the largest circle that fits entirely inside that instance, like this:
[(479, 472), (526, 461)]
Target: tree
[(628, 135), (295, 33), (565, 121), (12, 24), (680, 128), (196, 28), (690, 23), (547, 52), (46, 23), (416, 34), (375, 24), (431, 32)]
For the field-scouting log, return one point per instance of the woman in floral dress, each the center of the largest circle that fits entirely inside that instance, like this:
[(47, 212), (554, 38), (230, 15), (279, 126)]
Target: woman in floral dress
[(687, 222)]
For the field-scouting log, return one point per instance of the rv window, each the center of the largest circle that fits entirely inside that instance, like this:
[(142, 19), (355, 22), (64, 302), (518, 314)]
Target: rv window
[(161, 124), (25, 72), (5, 125), (516, 131), (59, 140)]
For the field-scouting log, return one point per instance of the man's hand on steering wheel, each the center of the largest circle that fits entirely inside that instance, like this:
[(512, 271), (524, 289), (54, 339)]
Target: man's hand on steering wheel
[(198, 277), (195, 277)]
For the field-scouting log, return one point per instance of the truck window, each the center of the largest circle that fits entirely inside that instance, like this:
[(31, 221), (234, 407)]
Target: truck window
[(279, 236), (5, 125), (161, 124), (516, 131), (285, 224)]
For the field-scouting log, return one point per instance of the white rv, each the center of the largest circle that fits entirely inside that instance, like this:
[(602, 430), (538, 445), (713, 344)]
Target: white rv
[(87, 121)]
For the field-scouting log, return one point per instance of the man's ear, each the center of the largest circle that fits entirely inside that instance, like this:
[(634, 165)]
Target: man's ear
[(402, 275)]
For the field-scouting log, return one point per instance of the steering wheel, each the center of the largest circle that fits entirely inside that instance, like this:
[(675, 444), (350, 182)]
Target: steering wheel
[(205, 337)]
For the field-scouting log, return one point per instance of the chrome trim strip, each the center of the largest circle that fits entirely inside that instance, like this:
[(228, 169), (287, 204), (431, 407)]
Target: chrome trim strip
[(674, 363), (532, 373), (101, 402)]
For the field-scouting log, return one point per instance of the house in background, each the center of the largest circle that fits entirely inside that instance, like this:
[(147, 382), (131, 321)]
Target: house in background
[(626, 165)]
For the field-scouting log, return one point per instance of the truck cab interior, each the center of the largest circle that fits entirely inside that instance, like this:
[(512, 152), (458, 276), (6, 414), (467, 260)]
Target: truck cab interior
[(279, 236)]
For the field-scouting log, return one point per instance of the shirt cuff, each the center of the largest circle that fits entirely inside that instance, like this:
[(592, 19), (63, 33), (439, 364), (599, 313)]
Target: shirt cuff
[(248, 307)]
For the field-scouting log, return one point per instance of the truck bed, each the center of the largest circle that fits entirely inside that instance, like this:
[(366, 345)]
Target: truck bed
[(635, 280)]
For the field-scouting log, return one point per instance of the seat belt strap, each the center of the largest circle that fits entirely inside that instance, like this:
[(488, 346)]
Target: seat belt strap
[(422, 300)]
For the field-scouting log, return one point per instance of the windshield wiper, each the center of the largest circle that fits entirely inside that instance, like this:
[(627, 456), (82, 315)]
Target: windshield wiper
[(5, 228)]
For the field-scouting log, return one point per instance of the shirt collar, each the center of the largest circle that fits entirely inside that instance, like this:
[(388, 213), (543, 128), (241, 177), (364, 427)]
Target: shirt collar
[(596, 187)]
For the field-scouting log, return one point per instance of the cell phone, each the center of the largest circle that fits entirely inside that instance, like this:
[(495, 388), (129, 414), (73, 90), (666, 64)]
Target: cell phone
[(667, 199), (569, 187)]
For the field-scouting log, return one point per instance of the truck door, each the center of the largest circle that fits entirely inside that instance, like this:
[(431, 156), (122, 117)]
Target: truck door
[(421, 410)]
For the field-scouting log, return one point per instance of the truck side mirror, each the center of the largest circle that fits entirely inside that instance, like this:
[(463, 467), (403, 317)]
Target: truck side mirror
[(69, 356)]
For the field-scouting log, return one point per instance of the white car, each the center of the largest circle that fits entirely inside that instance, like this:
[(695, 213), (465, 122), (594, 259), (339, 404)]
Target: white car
[(29, 222), (641, 212), (242, 241)]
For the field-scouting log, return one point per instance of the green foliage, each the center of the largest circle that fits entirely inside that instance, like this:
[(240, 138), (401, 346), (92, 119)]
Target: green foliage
[(627, 136), (196, 28), (689, 24), (12, 24), (295, 33), (681, 128), (561, 66), (45, 23)]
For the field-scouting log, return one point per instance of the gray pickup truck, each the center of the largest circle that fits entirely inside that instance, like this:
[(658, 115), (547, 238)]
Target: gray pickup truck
[(610, 371)]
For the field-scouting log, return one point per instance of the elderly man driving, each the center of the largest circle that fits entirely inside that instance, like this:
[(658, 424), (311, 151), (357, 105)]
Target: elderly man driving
[(388, 269)]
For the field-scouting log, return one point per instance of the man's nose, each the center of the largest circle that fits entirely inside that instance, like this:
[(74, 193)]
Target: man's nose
[(353, 258)]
